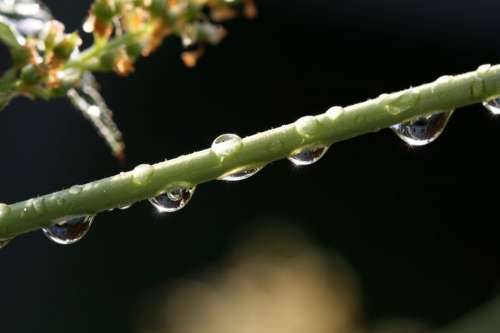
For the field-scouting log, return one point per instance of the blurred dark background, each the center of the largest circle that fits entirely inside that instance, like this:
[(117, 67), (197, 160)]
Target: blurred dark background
[(417, 225)]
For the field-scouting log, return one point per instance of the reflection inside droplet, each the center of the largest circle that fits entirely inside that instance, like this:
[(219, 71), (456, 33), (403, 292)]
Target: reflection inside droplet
[(240, 174), (493, 105), (309, 155), (422, 130), (174, 200), (70, 230)]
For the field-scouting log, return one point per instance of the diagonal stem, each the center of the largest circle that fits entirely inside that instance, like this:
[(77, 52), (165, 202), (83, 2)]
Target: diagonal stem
[(336, 125)]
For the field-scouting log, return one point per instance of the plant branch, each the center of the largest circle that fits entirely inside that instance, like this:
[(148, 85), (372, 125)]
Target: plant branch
[(336, 125)]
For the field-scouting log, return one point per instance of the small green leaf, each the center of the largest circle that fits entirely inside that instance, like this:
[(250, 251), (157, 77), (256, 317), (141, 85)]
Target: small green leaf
[(8, 35)]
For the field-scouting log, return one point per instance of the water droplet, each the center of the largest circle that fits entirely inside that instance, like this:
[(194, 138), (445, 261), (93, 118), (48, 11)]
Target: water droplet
[(401, 102), (77, 189), (444, 79), (240, 174), (334, 112), (70, 230), (307, 126), (4, 242), (483, 70), (493, 105), (226, 144), (422, 130), (142, 174), (39, 205), (309, 155), (174, 200)]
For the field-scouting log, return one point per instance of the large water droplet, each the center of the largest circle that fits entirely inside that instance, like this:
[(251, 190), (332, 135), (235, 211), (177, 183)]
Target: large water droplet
[(334, 112), (226, 144), (174, 200), (309, 155), (70, 230), (240, 174), (142, 174), (493, 105), (422, 130)]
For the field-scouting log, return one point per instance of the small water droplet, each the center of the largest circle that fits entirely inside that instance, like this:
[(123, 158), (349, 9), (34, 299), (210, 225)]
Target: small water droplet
[(4, 242), (226, 144), (493, 105), (77, 189), (334, 112), (483, 70), (70, 230), (60, 200), (422, 130), (309, 155), (174, 200), (240, 174), (444, 79), (142, 174), (39, 205), (401, 102), (307, 126)]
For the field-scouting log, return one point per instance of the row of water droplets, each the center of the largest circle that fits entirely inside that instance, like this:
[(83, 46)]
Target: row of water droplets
[(416, 132), (72, 229), (29, 17)]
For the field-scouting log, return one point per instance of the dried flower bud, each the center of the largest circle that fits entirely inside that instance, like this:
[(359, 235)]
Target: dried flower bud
[(160, 31), (222, 13), (250, 9), (136, 19), (123, 65), (190, 58)]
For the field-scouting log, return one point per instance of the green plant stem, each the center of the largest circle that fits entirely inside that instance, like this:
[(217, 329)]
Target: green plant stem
[(444, 94), (81, 62)]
